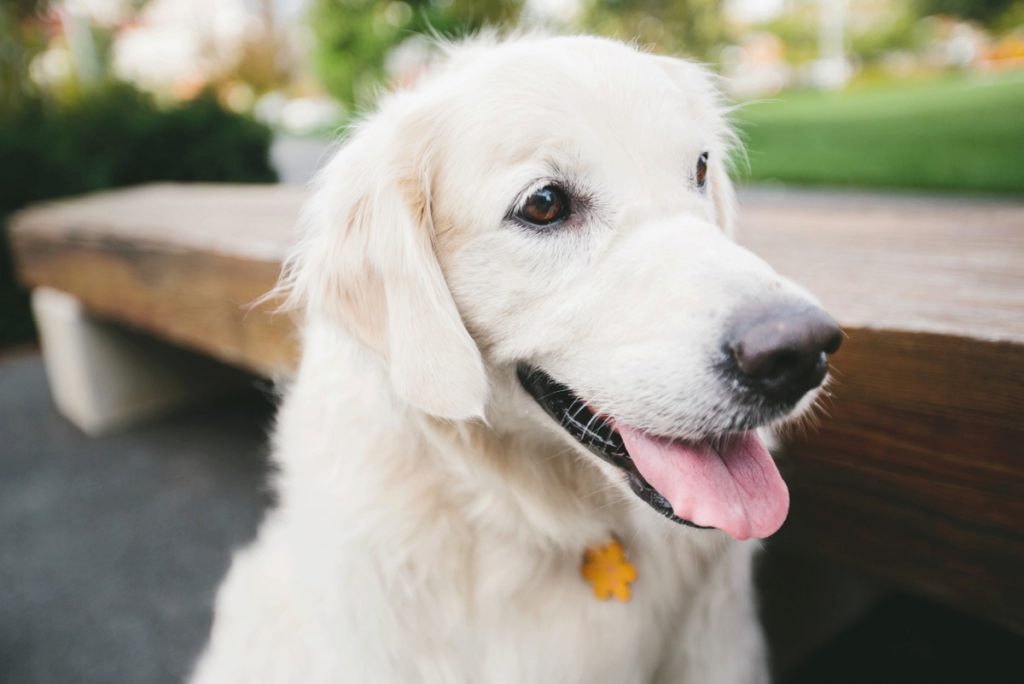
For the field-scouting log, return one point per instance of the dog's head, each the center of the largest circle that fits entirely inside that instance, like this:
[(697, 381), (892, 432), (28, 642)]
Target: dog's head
[(555, 213)]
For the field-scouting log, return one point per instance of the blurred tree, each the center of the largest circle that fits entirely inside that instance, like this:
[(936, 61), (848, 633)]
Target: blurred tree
[(116, 136), (1010, 21), (798, 33), (29, 27), (983, 11), (355, 36), (266, 61), (105, 135), (693, 27), (893, 27), (22, 37)]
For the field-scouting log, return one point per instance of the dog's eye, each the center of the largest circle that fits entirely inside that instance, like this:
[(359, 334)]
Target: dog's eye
[(545, 206), (702, 170)]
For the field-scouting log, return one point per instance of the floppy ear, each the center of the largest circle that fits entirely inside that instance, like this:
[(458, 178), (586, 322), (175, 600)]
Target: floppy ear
[(699, 86), (367, 261)]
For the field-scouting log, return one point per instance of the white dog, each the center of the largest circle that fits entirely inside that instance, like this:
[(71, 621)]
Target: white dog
[(533, 367)]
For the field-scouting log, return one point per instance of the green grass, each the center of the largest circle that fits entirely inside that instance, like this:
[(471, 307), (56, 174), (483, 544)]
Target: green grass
[(958, 133)]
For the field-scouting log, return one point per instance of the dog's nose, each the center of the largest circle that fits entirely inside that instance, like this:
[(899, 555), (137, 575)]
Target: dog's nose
[(782, 351)]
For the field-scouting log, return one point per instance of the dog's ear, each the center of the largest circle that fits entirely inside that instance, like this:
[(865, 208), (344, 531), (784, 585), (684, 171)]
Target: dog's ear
[(699, 86), (367, 261)]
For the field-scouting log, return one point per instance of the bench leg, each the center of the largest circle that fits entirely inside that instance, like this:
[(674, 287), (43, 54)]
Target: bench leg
[(104, 377)]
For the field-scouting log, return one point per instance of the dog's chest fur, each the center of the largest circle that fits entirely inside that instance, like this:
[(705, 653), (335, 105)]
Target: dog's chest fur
[(449, 608), (403, 550), (393, 557)]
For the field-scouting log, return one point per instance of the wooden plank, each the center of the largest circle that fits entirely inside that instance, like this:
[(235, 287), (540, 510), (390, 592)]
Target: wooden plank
[(916, 476), (248, 221), (916, 473), (914, 263), (174, 261)]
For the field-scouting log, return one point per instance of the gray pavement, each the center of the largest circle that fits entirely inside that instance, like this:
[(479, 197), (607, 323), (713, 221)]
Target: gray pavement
[(111, 548), (297, 158)]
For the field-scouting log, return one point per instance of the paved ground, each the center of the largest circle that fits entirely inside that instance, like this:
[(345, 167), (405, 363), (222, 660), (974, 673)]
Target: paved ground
[(297, 158), (111, 548)]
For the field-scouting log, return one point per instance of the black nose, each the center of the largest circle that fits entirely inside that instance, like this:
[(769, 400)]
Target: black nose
[(782, 351)]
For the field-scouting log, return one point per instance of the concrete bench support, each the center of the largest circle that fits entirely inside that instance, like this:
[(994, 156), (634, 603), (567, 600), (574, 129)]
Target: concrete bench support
[(104, 377)]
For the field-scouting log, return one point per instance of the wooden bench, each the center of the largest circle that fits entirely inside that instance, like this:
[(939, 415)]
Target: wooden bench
[(916, 475)]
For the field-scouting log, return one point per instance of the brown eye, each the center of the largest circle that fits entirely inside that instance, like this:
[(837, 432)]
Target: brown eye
[(702, 170), (545, 206)]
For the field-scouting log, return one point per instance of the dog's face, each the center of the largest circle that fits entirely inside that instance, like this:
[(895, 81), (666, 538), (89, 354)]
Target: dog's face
[(557, 211)]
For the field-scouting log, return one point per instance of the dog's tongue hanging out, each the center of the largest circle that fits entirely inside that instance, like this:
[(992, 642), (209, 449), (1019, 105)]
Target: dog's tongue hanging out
[(735, 487)]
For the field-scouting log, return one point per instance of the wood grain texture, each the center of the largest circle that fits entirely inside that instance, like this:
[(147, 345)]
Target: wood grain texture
[(893, 262), (247, 221), (916, 475), (200, 300)]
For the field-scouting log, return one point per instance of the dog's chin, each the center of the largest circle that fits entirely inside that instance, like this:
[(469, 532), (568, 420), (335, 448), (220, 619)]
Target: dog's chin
[(723, 480)]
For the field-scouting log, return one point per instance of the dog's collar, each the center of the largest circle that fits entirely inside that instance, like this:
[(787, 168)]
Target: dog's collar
[(608, 570)]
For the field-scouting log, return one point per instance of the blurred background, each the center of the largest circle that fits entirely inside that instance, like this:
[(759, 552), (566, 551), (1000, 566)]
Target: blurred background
[(900, 94), (896, 94), (922, 96)]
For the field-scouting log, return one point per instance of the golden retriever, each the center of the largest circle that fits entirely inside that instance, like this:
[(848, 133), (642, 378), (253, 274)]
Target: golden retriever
[(522, 442)]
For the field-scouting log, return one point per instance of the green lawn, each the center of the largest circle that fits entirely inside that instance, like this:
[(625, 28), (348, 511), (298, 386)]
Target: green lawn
[(962, 133)]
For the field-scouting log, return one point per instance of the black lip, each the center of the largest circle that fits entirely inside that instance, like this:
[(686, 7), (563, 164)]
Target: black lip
[(593, 432)]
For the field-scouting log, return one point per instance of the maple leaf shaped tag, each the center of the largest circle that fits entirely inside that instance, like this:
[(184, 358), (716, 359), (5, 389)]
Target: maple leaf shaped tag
[(608, 571)]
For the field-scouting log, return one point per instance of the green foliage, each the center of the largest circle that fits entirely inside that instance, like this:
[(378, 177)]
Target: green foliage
[(799, 36), (115, 137), (691, 27), (951, 134), (20, 41), (120, 137), (1010, 21), (899, 29), (353, 37), (887, 27), (983, 11)]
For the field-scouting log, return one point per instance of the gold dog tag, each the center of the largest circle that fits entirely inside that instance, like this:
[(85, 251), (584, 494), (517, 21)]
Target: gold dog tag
[(608, 571)]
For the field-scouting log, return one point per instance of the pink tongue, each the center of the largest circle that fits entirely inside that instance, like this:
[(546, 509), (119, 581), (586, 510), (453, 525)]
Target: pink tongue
[(737, 489)]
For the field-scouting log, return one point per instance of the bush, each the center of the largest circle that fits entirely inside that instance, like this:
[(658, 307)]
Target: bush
[(354, 37), (116, 137), (684, 27)]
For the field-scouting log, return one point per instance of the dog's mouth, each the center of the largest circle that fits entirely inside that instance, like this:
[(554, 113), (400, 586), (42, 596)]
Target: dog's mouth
[(728, 482)]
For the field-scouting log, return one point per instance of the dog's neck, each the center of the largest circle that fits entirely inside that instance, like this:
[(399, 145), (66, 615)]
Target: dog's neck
[(538, 488), (511, 474)]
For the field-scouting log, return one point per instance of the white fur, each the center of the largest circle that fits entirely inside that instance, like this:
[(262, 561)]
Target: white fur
[(431, 519)]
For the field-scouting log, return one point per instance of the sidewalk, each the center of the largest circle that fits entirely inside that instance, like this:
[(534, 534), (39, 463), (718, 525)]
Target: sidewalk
[(111, 548)]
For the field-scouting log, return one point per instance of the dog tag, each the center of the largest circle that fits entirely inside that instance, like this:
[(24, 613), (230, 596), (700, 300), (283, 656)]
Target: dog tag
[(609, 571)]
